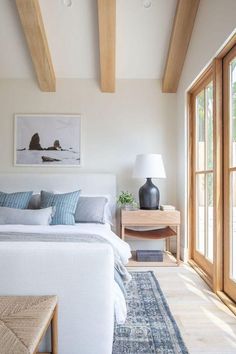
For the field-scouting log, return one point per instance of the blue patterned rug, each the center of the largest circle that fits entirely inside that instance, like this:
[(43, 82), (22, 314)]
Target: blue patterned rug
[(150, 327)]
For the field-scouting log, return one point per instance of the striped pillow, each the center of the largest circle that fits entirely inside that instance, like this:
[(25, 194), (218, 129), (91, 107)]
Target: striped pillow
[(18, 200), (65, 206)]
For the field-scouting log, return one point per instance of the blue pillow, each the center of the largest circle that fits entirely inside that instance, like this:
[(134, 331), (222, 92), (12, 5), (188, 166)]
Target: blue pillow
[(18, 200), (91, 209), (65, 206)]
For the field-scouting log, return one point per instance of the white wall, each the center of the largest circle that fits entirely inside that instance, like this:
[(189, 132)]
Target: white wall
[(138, 118), (215, 21), (142, 37)]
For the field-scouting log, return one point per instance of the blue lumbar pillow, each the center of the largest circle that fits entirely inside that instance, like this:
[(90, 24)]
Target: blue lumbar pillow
[(18, 200), (64, 204), (12, 216)]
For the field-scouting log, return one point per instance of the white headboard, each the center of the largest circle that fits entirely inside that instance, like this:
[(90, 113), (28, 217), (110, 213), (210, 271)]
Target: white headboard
[(96, 184)]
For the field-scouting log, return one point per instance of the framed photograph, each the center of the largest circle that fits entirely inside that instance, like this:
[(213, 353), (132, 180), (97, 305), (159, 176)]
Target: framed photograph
[(46, 140)]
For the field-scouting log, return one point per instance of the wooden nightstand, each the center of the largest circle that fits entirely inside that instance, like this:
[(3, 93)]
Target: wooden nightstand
[(168, 220)]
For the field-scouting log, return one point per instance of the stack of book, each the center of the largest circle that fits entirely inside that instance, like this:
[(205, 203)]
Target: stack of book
[(167, 207)]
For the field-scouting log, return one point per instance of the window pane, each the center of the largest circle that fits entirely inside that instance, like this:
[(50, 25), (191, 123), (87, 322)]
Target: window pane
[(209, 186), (233, 226), (209, 120), (233, 110), (200, 129), (200, 208)]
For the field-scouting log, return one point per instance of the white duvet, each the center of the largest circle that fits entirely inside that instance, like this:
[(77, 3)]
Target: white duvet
[(103, 230)]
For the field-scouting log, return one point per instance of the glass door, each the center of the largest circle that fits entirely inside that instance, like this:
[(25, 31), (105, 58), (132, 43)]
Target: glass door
[(202, 252), (229, 71)]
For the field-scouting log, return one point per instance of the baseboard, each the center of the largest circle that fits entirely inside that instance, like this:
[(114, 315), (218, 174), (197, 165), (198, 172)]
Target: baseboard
[(227, 301), (202, 274)]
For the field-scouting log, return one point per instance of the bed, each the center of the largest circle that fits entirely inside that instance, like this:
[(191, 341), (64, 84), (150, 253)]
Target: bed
[(75, 262)]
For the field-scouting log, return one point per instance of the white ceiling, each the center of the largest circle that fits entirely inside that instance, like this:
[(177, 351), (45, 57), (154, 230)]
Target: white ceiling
[(142, 38)]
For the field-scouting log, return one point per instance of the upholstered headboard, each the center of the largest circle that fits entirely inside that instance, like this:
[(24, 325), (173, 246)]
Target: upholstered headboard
[(90, 184)]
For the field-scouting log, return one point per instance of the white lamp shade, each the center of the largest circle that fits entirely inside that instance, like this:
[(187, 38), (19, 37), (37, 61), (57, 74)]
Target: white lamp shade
[(149, 166)]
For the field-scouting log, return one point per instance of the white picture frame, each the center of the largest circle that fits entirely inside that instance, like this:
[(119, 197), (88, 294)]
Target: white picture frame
[(47, 140)]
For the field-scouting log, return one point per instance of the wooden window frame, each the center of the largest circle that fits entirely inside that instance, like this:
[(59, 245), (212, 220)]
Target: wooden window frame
[(216, 66), (195, 258), (228, 283)]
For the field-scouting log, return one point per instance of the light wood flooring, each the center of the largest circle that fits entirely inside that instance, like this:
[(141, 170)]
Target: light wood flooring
[(206, 324)]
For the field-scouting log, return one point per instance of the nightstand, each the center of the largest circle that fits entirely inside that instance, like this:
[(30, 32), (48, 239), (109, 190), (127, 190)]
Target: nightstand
[(167, 223)]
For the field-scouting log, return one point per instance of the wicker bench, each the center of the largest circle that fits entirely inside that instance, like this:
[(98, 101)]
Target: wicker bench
[(24, 321)]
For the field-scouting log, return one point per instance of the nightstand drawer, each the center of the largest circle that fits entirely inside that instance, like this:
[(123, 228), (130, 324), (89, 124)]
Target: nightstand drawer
[(149, 217)]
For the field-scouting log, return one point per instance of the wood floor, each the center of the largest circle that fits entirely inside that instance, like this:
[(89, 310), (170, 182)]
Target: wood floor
[(206, 324)]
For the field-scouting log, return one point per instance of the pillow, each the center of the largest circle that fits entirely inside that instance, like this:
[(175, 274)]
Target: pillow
[(25, 216), (19, 200), (91, 209), (65, 206), (35, 201), (108, 214)]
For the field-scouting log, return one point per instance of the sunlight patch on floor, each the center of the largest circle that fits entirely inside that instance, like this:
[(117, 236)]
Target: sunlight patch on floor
[(206, 324)]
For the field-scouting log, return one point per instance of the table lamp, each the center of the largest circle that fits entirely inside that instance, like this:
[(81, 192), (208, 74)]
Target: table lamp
[(149, 166)]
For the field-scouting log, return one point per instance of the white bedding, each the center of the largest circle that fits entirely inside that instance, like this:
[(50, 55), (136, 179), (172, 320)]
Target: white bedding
[(103, 230)]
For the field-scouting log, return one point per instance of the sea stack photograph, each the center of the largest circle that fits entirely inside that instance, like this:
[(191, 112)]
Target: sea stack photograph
[(47, 140)]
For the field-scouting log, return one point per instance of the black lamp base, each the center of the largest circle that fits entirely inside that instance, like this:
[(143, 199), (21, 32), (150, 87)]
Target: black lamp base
[(149, 196)]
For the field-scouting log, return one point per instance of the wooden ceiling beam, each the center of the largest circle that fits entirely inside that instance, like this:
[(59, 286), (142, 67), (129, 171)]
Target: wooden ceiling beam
[(32, 23), (181, 34), (107, 43)]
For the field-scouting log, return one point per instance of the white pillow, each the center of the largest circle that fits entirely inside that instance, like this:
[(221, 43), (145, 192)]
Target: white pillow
[(25, 216)]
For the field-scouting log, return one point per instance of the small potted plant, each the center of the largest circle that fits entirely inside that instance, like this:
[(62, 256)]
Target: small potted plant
[(126, 201)]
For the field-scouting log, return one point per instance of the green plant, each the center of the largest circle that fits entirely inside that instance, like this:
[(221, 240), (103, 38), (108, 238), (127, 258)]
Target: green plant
[(126, 198)]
